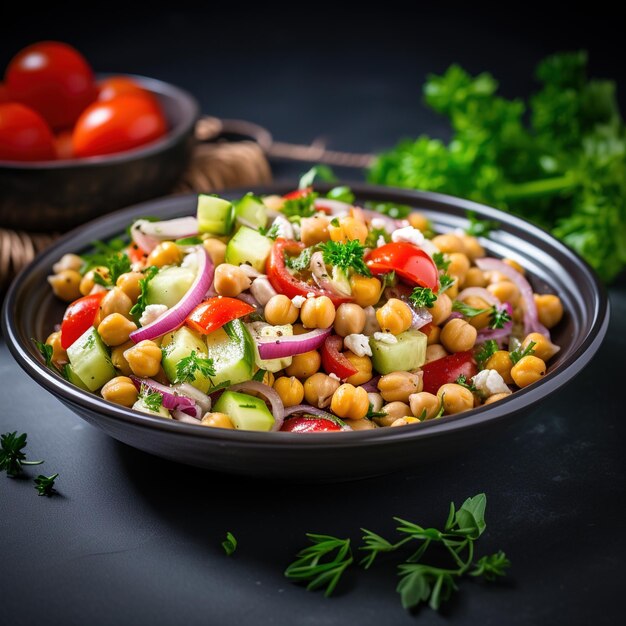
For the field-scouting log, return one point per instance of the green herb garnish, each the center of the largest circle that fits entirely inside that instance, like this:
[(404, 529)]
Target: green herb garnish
[(116, 264), (45, 485), (259, 375), (272, 232), (103, 250), (486, 352), (188, 241), (520, 352), (188, 366), (229, 544), (140, 306), (440, 261), (395, 211), (499, 317), (321, 172), (371, 413), (11, 456), (467, 310), (301, 262), (423, 297), (343, 194), (389, 279), (345, 255), (152, 399), (478, 227), (462, 380), (445, 282), (46, 352), (300, 207), (374, 235)]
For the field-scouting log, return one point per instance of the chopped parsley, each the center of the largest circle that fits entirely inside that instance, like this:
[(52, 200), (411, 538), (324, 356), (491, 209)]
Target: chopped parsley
[(12, 456), (445, 282), (519, 353), (467, 310), (374, 235), (440, 261), (300, 207), (478, 227), (423, 297), (488, 349), (371, 413), (103, 250), (462, 380), (301, 262), (152, 399), (271, 232), (45, 484), (116, 264), (499, 317), (187, 368), (140, 306), (345, 255)]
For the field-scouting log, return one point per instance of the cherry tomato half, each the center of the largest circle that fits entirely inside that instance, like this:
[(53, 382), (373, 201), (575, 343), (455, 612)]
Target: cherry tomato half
[(334, 361), (407, 261), (79, 316), (215, 312), (126, 122), (308, 425), (115, 86), (24, 134), (52, 78), (447, 370)]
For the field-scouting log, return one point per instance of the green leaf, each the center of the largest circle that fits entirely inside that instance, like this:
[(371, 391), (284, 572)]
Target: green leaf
[(12, 457), (301, 262), (491, 566), (478, 227), (300, 207), (45, 485), (422, 297), (466, 310), (499, 317), (346, 256), (414, 588), (440, 261), (486, 352), (343, 194), (140, 306), (152, 399), (188, 367), (470, 518), (229, 544), (321, 172), (519, 353)]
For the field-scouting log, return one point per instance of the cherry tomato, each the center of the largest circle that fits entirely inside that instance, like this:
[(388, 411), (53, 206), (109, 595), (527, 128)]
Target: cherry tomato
[(407, 261), (52, 78), (309, 425), (447, 370), (24, 134), (4, 94), (79, 316), (333, 361), (124, 123), (117, 86), (215, 312), (63, 145)]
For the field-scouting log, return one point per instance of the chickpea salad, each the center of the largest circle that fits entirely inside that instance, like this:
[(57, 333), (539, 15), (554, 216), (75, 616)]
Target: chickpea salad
[(299, 313)]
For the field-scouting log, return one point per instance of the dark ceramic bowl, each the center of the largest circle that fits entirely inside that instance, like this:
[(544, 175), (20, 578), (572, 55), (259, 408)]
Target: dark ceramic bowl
[(57, 195), (31, 310)]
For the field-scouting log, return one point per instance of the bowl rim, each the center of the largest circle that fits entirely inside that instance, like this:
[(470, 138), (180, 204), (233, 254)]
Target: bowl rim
[(478, 417), (191, 112)]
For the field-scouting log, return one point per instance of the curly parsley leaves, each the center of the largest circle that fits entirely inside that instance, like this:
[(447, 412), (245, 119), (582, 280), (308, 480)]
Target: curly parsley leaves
[(423, 297), (189, 366), (140, 306), (345, 255)]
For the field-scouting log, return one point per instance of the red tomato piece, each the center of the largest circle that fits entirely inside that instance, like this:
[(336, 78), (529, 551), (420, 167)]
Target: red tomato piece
[(52, 78), (298, 193), (126, 122), (215, 312), (447, 370), (24, 134), (335, 362), (136, 253), (407, 261), (115, 86), (285, 282), (309, 425), (79, 316)]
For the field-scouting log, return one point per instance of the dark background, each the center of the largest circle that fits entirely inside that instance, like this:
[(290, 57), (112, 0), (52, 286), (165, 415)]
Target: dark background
[(133, 539)]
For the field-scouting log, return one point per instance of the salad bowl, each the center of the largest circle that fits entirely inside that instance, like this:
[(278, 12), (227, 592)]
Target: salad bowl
[(30, 310)]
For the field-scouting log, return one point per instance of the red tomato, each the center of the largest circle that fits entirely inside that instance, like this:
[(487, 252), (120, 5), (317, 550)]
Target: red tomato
[(79, 316), (117, 86), (298, 193), (447, 370), (4, 95), (335, 362), (135, 253), (407, 261), (63, 145), (215, 312), (24, 134), (52, 78), (124, 123), (308, 425)]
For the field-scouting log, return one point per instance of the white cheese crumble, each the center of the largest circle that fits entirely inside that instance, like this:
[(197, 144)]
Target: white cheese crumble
[(359, 344), (386, 338), (152, 313), (408, 234), (489, 382), (334, 376), (262, 289), (298, 301), (311, 294)]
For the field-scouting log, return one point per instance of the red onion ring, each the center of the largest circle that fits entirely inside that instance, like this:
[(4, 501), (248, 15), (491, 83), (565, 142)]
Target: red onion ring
[(371, 386), (290, 346), (171, 400), (248, 298), (147, 235), (179, 416), (278, 409), (201, 399), (175, 317)]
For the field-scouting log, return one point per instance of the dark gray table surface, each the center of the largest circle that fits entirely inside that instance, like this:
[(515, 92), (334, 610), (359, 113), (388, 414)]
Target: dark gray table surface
[(132, 539)]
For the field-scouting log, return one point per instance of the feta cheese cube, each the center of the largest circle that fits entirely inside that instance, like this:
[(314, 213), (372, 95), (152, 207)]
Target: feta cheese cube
[(489, 382), (151, 313), (359, 344), (408, 234), (386, 338)]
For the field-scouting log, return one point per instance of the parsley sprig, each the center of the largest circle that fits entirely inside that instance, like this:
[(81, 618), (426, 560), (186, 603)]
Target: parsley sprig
[(486, 352), (445, 282), (151, 398), (499, 317), (423, 297), (440, 261), (346, 255), (102, 252), (116, 264), (478, 227), (467, 310), (230, 543), (188, 366), (300, 207), (45, 485), (301, 262), (140, 306), (462, 380), (12, 457), (520, 353)]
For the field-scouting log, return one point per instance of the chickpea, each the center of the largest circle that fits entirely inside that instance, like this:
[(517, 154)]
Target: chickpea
[(394, 316), (458, 336), (230, 280), (115, 301), (280, 310), (350, 401), (349, 319), (543, 348), (424, 405), (317, 312), (501, 362), (129, 284), (393, 410), (120, 390), (449, 243), (68, 262), (290, 390), (459, 266), (528, 370), (398, 386), (119, 360), (505, 291), (216, 249), (475, 278), (435, 352), (496, 397), (66, 285), (314, 229), (304, 365), (59, 355), (453, 290), (319, 389), (419, 220), (441, 309), (165, 253), (481, 320), (349, 229), (433, 335), (455, 398), (114, 329), (87, 283), (362, 424), (144, 358), (549, 309), (365, 291), (217, 420), (363, 365), (473, 249), (404, 421), (497, 277), (515, 265)]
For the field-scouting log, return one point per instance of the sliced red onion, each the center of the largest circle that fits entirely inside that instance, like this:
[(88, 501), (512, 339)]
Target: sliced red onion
[(248, 298), (335, 206), (292, 345), (497, 333), (531, 318), (320, 275), (371, 386), (312, 410), (180, 416), (455, 315), (171, 399), (278, 409), (201, 399), (390, 224), (421, 317), (175, 317), (148, 234), (479, 292)]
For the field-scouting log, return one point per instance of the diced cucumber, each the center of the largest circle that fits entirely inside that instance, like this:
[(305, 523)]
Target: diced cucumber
[(248, 246), (90, 360), (251, 209), (271, 332), (140, 405), (179, 345), (71, 376), (215, 215), (169, 285), (232, 350), (245, 412), (407, 354)]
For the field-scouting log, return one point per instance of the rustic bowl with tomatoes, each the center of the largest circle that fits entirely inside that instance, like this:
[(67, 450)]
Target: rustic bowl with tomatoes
[(74, 145), (305, 453)]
